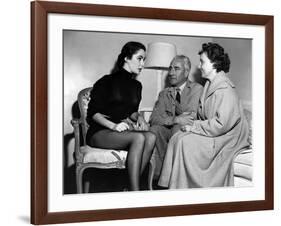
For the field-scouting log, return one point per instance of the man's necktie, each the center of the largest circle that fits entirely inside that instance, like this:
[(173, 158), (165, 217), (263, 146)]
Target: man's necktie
[(178, 96), (178, 100)]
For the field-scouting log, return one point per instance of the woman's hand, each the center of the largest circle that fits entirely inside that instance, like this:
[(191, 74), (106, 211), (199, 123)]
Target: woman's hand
[(186, 128), (120, 127)]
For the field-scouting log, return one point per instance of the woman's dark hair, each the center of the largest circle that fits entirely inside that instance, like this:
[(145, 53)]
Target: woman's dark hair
[(217, 56), (128, 50)]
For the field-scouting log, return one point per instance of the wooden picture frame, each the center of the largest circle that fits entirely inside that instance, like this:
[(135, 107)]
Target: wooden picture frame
[(39, 111)]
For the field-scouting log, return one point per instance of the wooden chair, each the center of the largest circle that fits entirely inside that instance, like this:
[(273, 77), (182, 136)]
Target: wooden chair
[(86, 156)]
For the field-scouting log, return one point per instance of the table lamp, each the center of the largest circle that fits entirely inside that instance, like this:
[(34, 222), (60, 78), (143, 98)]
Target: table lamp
[(159, 56)]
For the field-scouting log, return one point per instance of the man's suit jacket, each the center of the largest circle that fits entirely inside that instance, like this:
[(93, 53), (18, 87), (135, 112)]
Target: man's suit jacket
[(164, 109)]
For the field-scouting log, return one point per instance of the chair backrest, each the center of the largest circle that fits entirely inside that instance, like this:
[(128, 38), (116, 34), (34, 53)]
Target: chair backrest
[(83, 101)]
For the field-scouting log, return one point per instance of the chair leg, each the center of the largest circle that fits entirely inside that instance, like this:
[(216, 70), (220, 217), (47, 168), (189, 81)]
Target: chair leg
[(87, 187), (79, 179), (151, 175)]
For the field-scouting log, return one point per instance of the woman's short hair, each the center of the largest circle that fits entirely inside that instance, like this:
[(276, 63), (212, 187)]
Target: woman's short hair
[(128, 50), (217, 56)]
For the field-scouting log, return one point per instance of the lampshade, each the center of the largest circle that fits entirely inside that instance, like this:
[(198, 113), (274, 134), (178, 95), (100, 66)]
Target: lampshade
[(159, 55)]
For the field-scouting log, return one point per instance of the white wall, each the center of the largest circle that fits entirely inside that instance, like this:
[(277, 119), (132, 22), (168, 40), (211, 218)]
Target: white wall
[(239, 51), (15, 113)]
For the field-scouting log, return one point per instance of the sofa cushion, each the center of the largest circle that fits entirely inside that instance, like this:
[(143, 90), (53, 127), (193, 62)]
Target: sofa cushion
[(243, 165), (99, 155), (242, 182), (245, 157)]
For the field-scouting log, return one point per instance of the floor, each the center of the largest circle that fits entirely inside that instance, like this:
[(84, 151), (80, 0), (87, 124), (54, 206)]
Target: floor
[(109, 180)]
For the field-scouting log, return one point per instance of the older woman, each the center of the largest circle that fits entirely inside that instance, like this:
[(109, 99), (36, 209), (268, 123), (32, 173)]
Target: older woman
[(201, 154), (113, 109)]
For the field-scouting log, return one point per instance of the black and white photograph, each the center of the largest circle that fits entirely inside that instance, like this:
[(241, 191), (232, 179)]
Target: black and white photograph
[(146, 112)]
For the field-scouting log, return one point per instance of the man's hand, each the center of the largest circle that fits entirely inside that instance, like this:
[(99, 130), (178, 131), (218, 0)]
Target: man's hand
[(186, 118), (142, 124), (134, 116)]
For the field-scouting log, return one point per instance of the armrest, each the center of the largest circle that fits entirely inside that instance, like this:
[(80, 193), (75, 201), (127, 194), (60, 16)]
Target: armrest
[(146, 112), (75, 123)]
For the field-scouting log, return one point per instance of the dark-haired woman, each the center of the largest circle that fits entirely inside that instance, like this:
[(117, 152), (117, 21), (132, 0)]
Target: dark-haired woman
[(201, 154), (114, 104)]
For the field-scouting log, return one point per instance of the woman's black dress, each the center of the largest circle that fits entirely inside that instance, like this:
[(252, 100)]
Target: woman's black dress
[(117, 96)]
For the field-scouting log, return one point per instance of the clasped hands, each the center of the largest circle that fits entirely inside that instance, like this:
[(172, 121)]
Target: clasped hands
[(185, 120), (135, 122), (120, 127)]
